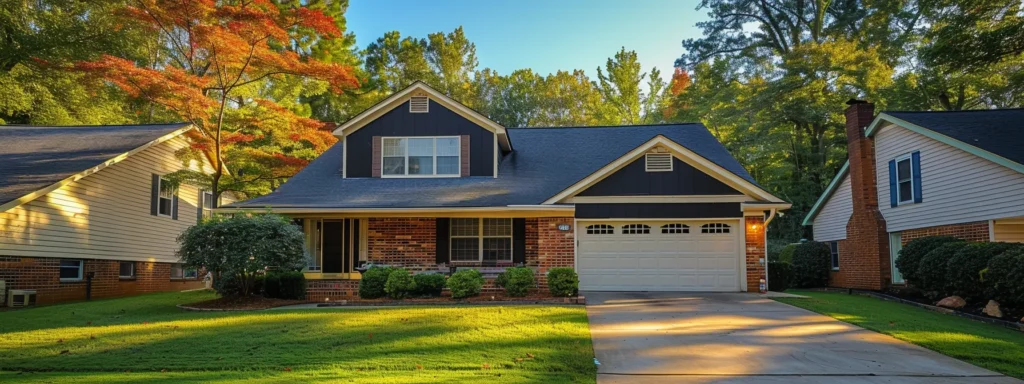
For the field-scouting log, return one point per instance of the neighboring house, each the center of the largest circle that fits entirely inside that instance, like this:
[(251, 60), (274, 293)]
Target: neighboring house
[(916, 174), (84, 210), (424, 182)]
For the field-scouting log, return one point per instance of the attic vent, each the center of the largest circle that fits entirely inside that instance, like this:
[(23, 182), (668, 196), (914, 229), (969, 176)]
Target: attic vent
[(659, 162), (419, 104)]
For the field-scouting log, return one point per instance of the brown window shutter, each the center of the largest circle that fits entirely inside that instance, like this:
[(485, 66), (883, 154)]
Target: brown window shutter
[(375, 162), (464, 156)]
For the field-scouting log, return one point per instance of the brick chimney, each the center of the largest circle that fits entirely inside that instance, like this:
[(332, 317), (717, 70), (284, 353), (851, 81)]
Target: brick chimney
[(867, 241)]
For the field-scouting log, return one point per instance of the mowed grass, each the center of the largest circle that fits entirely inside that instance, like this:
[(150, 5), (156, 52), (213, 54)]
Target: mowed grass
[(988, 346), (146, 338)]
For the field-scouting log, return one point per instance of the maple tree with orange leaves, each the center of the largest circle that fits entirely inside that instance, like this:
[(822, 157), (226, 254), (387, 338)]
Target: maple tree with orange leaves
[(217, 55)]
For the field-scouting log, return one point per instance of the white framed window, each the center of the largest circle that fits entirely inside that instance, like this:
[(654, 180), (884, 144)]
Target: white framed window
[(314, 244), (179, 272), (126, 270), (71, 270), (207, 204), (834, 246), (165, 200), (600, 229), (658, 162), (675, 228), (480, 240), (715, 228), (636, 229), (421, 156), (904, 179)]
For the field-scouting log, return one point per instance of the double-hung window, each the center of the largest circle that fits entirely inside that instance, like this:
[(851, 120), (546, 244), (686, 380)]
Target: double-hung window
[(71, 270), (481, 240), (904, 180), (420, 156), (834, 246), (126, 270), (165, 201), (207, 204), (178, 272)]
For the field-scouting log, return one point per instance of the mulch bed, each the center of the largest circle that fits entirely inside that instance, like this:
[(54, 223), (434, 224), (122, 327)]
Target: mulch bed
[(239, 303), (974, 308), (484, 298)]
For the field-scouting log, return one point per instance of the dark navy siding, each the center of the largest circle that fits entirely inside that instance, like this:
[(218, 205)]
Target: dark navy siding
[(440, 121), (658, 210), (634, 180)]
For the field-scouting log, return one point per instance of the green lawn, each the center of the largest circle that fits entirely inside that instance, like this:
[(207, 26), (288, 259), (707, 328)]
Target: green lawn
[(145, 338), (992, 347)]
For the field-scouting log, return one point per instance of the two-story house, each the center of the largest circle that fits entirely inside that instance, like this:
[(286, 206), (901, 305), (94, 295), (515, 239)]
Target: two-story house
[(916, 174), (424, 182)]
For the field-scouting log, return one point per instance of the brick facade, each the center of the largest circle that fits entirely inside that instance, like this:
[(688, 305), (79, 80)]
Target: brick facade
[(404, 242), (42, 275), (554, 248), (756, 246), (976, 231)]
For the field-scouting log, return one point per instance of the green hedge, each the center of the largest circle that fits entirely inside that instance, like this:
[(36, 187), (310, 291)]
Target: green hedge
[(933, 267), (563, 282), (786, 254), (912, 253), (1003, 278), (371, 286), (964, 269), (288, 285), (429, 284), (811, 264), (400, 284), (465, 283), (780, 276), (518, 281)]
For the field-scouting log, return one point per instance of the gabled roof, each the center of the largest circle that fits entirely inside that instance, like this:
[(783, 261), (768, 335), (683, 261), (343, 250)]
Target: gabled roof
[(419, 88), (829, 191), (545, 162), (36, 160)]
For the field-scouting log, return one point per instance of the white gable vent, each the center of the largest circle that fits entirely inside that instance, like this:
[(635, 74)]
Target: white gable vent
[(419, 104), (659, 162)]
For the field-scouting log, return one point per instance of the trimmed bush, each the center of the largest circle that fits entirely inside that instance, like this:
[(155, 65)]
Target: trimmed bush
[(775, 248), (518, 281), (429, 284), (1003, 280), (780, 275), (400, 284), (786, 254), (563, 282), (963, 271), (371, 286), (501, 279), (932, 269), (912, 253), (811, 264), (271, 285), (465, 283)]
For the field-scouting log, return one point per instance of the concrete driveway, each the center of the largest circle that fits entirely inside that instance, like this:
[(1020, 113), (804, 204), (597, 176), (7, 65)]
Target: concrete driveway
[(738, 337)]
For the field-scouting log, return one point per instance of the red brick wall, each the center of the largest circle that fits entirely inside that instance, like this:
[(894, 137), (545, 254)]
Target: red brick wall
[(405, 242), (554, 248), (42, 275), (331, 290), (531, 243), (848, 267), (755, 248), (976, 231)]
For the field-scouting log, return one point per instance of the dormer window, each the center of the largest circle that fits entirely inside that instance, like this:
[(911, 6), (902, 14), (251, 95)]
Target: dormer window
[(420, 156)]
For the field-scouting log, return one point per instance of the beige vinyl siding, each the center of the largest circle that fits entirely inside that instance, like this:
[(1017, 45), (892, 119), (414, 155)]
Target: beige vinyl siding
[(105, 215), (956, 186), (830, 224), (1012, 232)]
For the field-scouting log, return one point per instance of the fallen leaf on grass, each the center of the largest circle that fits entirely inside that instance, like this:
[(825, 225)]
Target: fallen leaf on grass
[(487, 366), (60, 341), (287, 369), (529, 355), (64, 352), (419, 366)]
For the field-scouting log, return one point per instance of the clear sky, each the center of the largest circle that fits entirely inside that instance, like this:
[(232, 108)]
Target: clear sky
[(543, 35)]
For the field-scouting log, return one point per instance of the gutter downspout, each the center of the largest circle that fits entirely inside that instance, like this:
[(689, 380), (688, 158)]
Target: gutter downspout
[(771, 216)]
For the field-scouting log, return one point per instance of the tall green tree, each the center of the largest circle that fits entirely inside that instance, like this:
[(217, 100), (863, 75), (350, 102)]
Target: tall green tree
[(453, 59), (619, 84)]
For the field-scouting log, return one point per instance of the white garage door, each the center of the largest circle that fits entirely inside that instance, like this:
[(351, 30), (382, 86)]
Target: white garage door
[(658, 256)]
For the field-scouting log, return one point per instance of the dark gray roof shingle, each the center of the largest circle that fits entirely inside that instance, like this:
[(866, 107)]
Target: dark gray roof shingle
[(545, 162), (1000, 131), (32, 158)]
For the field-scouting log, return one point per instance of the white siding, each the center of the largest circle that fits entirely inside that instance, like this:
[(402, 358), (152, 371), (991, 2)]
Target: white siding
[(105, 215), (956, 186), (830, 224), (1008, 232)]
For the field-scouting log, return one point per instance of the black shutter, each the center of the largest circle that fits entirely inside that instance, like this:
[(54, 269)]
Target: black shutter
[(355, 242), (442, 240), (199, 209), (174, 207), (518, 241), (154, 200)]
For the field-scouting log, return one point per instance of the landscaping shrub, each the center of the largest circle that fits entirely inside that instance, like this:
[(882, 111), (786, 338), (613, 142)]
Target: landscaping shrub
[(912, 253), (429, 284), (465, 283), (371, 286), (1003, 280), (239, 248), (400, 284), (563, 282), (775, 248), (786, 254), (271, 285), (932, 269), (501, 279), (518, 281), (811, 264), (963, 271), (780, 275), (292, 285)]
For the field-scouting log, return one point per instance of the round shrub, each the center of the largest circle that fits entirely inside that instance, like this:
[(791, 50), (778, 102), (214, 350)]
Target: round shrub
[(563, 282), (811, 264), (400, 284), (786, 254), (501, 279), (271, 285), (518, 281), (465, 283), (963, 271), (780, 275), (429, 284), (932, 269), (912, 253), (371, 286), (1003, 280)]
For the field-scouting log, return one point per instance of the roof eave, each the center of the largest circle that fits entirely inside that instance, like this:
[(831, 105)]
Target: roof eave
[(829, 190)]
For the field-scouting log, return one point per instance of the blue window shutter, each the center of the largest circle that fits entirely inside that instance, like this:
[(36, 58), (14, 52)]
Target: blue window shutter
[(892, 183), (915, 163)]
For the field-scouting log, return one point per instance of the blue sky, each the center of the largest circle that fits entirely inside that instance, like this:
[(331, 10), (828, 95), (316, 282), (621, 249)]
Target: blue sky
[(543, 35)]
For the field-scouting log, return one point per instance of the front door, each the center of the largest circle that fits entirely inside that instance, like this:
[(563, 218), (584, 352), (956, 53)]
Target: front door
[(895, 245), (334, 246)]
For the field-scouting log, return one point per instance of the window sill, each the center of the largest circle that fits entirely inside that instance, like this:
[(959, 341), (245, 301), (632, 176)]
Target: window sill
[(835, 269), (418, 176), (71, 280), (122, 278)]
